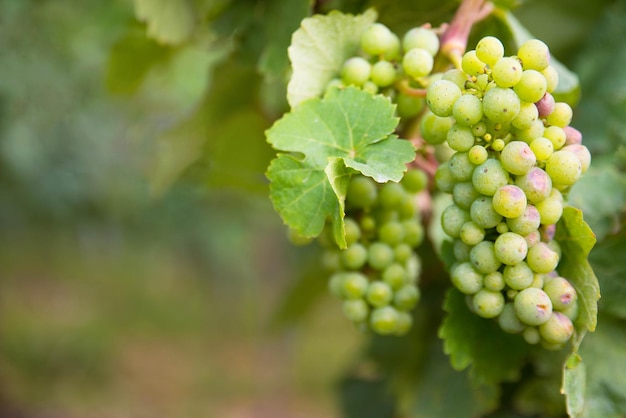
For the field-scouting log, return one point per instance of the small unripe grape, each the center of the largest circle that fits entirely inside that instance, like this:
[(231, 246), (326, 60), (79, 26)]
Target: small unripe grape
[(434, 129), (354, 285), (533, 306), (534, 54), (508, 320), (417, 63), (479, 129), (441, 96), (528, 135), (488, 304), (461, 167), (531, 335), (464, 194), (531, 86), (384, 320), (379, 294), (536, 184), (452, 220), (582, 153), (413, 232), (477, 154), (556, 135), (507, 72), (518, 276), (509, 201), (423, 38), (414, 181), (354, 257), (552, 78), (561, 293), (483, 258), (377, 39), (355, 310), (489, 177), (489, 50), (383, 73), (402, 252), (356, 70), (541, 258), (353, 231), (394, 275), (370, 87), (543, 148), (467, 110), (331, 260), (391, 195), (483, 213), (406, 297), (517, 158), (526, 223), (550, 210), (379, 255), (538, 281), (413, 268), (391, 233), (498, 144), (527, 115), (362, 192), (561, 115), (501, 105), (460, 138), (471, 64), (557, 330), (510, 248), (494, 281), (461, 250), (466, 278), (564, 168)]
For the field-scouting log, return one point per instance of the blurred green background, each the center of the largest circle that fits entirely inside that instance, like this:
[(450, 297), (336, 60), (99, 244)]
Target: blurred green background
[(134, 283)]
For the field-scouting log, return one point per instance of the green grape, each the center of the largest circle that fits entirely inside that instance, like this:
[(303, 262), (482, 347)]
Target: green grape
[(534, 54), (526, 223), (531, 87), (527, 115), (466, 278), (354, 257), (295, 238), (383, 73), (471, 234), (479, 129), (355, 310), (517, 158), (354, 285), (561, 115), (533, 306), (483, 213), (402, 252), (368, 225), (379, 294), (356, 70), (379, 255), (507, 72), (362, 192), (489, 177), (518, 276), (460, 138), (370, 87), (502, 227), (391, 195), (582, 153), (384, 320), (501, 105), (418, 63), (331, 260), (536, 184), (561, 293), (377, 39), (510, 248), (393, 52), (413, 232), (498, 144), (408, 209), (413, 268), (414, 181), (471, 64), (461, 250), (409, 106), (391, 233), (463, 194), (564, 168), (443, 178), (434, 129), (394, 275), (353, 231), (467, 110), (335, 83), (458, 77), (532, 238), (461, 167), (483, 257), (542, 148), (571, 311), (494, 281), (528, 135), (404, 323), (336, 284), (541, 258), (477, 154), (537, 281), (557, 330), (508, 320), (440, 97), (531, 335), (423, 38), (488, 304), (509, 201), (550, 210), (552, 78), (406, 297), (452, 219), (489, 50)]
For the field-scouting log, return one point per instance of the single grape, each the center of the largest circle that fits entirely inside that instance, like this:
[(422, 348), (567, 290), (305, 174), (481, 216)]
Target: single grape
[(370, 87), (541, 258), (517, 158), (582, 153), (434, 129), (414, 181), (501, 105), (353, 231), (561, 115), (571, 311), (356, 70), (355, 310), (542, 148), (494, 281), (498, 144), (527, 115), (354, 257), (413, 232), (461, 167), (464, 194), (452, 220), (532, 238), (508, 320), (526, 223), (331, 260), (534, 54), (458, 77), (402, 252), (572, 136), (384, 320), (466, 278), (489, 50), (471, 64), (483, 213), (518, 276), (379, 255), (489, 177), (550, 210), (531, 86), (383, 73), (533, 306), (354, 285), (408, 208), (552, 78), (409, 106), (561, 293), (423, 38), (471, 234), (460, 138), (406, 297), (557, 330), (413, 268), (483, 258), (531, 335), (461, 250), (418, 63), (529, 134), (391, 233), (379, 294), (564, 168), (545, 105), (510, 248), (377, 39), (536, 184), (391, 195), (488, 304), (502, 227), (440, 97), (477, 155), (479, 129), (394, 275), (507, 72), (509, 201), (335, 284), (443, 178), (467, 110), (556, 135), (362, 192)]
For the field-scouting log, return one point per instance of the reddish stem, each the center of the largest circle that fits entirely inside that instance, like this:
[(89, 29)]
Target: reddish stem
[(454, 39)]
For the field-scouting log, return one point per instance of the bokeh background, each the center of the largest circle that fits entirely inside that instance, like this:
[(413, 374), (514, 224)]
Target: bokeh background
[(134, 283)]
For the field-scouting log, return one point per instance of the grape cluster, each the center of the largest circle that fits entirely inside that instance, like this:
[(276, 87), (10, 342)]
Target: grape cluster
[(376, 276), (515, 157), (384, 60)]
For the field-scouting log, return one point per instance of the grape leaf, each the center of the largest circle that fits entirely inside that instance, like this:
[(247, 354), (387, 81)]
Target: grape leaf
[(470, 340), (577, 240), (169, 21), (574, 378), (318, 50), (328, 138)]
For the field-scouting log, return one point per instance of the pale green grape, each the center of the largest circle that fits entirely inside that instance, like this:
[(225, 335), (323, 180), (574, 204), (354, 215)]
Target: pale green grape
[(534, 54), (377, 39), (502, 227), (510, 248), (414, 181), (536, 184), (362, 192), (335, 284), (517, 158), (494, 281), (394, 275), (452, 219), (518, 276), (483, 257), (466, 278), (533, 306), (356, 70), (384, 320), (561, 115), (379, 294), (531, 87), (479, 129), (550, 210), (461, 167), (461, 250), (501, 105), (483, 213), (463, 194), (471, 234), (404, 323), (391, 232), (489, 50), (488, 304), (529, 134), (457, 76), (561, 293), (423, 38), (440, 97), (355, 310), (380, 255), (434, 129), (541, 258), (413, 232), (383, 73), (498, 144), (471, 64), (507, 72), (477, 155), (528, 113), (417, 63), (564, 168), (556, 135), (508, 320), (509, 201), (370, 87), (542, 148), (531, 335), (582, 153), (443, 178), (467, 110), (460, 138), (353, 231), (526, 223), (552, 78), (354, 285), (402, 252), (354, 257), (391, 195), (409, 106), (489, 177), (406, 297), (558, 329)]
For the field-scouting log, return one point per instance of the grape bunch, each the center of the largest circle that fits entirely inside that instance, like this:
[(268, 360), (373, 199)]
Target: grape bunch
[(376, 276), (514, 159), (385, 60)]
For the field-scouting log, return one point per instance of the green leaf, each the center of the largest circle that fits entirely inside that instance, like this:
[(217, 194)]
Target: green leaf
[(470, 340), (318, 50), (169, 22), (327, 138), (606, 261), (574, 381), (577, 240)]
